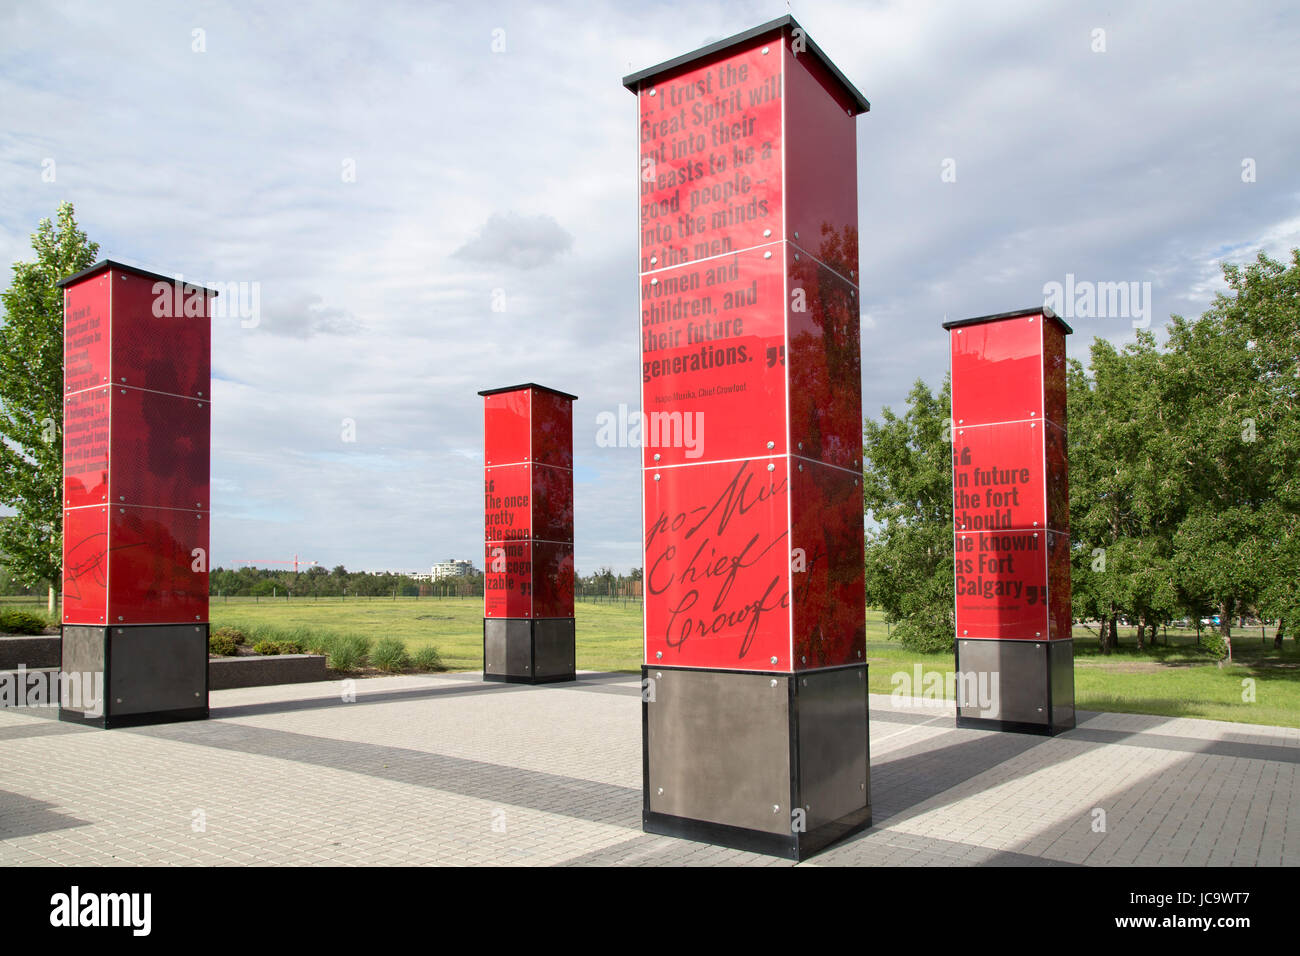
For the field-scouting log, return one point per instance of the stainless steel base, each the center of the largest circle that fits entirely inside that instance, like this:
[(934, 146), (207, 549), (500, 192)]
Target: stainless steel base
[(146, 674), (523, 651), (1024, 686), (773, 763)]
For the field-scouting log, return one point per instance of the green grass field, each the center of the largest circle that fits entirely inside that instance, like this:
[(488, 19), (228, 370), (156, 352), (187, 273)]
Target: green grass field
[(1176, 679), (609, 635)]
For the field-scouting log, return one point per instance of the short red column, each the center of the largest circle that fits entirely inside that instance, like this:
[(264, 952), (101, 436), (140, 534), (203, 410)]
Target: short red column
[(1011, 522), (136, 512), (528, 623)]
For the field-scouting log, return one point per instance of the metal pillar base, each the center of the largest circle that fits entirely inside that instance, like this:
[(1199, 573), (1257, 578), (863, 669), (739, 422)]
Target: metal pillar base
[(1018, 686), (523, 651), (770, 763), (147, 673)]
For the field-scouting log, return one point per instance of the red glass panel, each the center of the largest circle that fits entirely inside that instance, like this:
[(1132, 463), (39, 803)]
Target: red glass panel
[(998, 477), (821, 170), (552, 429), (713, 360), (85, 334), (85, 565), (85, 448), (162, 336), (160, 449), (1001, 580), (552, 503), (1058, 585), (152, 566), (997, 371), (1057, 480), (717, 573), (1054, 372), (825, 364), (710, 158), (826, 566), (507, 428), (508, 579), (507, 503), (552, 579)]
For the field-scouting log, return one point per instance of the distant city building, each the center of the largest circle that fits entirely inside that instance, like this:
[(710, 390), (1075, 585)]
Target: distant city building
[(399, 573), (451, 569)]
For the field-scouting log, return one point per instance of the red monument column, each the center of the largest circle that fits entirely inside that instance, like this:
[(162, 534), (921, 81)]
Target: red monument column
[(755, 695), (528, 626), (136, 430), (1011, 522)]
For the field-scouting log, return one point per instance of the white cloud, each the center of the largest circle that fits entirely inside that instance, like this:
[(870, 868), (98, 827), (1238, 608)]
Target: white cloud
[(522, 242)]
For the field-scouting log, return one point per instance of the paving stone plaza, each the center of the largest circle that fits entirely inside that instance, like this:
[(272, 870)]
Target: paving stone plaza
[(453, 770)]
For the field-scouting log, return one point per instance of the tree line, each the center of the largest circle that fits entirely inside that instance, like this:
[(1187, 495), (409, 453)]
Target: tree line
[(316, 581), (1184, 501)]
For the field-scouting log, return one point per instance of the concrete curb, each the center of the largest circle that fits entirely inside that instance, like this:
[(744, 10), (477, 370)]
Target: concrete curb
[(225, 673), (43, 651), (35, 650)]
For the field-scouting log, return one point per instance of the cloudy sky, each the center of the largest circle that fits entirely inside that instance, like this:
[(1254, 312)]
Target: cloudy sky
[(381, 172)]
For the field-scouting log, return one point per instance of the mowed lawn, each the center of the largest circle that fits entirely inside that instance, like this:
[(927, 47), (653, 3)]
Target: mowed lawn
[(1174, 680), (609, 635)]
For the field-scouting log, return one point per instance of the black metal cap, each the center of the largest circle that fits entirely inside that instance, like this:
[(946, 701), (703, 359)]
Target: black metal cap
[(104, 264), (540, 388), (633, 80), (1042, 310)]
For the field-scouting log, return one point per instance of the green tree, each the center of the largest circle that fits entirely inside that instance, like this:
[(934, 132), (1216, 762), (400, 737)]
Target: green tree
[(1123, 505), (31, 400), (1236, 369), (907, 491)]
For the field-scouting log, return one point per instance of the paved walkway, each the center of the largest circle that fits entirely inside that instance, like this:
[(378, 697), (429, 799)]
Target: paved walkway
[(452, 770)]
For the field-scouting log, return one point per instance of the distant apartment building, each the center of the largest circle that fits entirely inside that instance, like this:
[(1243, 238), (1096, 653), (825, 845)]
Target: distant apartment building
[(399, 573), (451, 568)]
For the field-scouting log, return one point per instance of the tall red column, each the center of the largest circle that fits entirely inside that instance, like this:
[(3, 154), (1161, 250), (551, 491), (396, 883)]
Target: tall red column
[(755, 698), (136, 430), (1011, 517), (528, 624)]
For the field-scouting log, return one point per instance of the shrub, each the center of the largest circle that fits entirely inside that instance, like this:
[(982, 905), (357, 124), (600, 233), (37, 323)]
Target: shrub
[(316, 642), (222, 644), (1214, 642), (347, 652), (427, 658), (16, 621), (289, 647), (390, 655), (266, 647), (294, 636), (236, 635)]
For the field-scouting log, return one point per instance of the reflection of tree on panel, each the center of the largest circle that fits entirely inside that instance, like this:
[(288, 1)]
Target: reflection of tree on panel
[(152, 570), (826, 569), (825, 359)]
